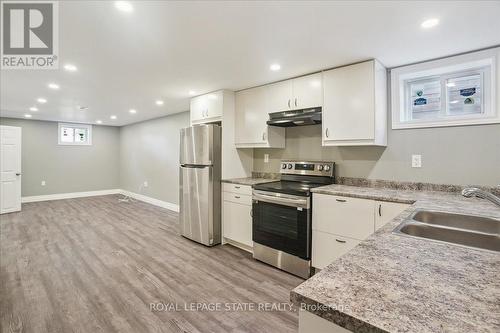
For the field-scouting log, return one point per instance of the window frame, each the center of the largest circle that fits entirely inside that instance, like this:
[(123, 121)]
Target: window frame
[(88, 127), (485, 62)]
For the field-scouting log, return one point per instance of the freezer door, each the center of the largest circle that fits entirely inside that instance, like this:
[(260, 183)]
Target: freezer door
[(197, 204), (197, 145)]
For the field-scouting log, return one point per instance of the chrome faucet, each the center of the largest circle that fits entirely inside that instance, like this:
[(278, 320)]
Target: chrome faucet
[(476, 192)]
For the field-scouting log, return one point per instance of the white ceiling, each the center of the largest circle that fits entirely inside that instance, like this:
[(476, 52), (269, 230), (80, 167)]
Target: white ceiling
[(162, 50)]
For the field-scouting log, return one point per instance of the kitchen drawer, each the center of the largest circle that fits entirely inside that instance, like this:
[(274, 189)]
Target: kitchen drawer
[(349, 217), (241, 199), (237, 188), (328, 247)]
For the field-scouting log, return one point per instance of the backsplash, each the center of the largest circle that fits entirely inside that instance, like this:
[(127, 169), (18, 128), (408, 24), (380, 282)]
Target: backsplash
[(468, 159)]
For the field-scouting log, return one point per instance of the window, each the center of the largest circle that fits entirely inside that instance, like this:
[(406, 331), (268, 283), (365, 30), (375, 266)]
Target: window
[(454, 91), (75, 134)]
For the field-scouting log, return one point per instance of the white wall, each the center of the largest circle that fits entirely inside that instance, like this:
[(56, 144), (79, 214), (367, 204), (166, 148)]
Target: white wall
[(149, 151)]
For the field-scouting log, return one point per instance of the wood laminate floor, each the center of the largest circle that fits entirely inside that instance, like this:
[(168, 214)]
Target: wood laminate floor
[(96, 265)]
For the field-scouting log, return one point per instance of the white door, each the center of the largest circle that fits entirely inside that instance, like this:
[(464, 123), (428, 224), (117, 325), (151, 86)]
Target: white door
[(308, 91), (10, 169)]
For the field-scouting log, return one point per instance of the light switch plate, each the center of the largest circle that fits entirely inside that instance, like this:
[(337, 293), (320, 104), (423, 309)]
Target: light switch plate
[(416, 161), (266, 158)]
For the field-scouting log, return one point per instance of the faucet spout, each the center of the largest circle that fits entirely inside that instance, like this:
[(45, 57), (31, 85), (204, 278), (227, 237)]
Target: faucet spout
[(476, 192)]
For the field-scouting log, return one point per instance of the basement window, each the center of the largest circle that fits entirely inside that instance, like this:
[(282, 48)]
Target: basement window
[(75, 134), (454, 91)]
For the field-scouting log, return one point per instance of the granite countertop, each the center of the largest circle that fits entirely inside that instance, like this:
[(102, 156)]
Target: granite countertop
[(250, 181), (393, 283)]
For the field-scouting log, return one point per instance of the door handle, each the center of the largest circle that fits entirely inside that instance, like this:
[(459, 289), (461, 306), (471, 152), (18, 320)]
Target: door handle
[(18, 173), (295, 101), (326, 133), (263, 136), (236, 187), (236, 197), (379, 210), (289, 103), (339, 240), (251, 212), (341, 200)]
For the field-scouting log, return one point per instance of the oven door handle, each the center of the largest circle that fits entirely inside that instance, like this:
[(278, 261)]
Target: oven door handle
[(299, 203)]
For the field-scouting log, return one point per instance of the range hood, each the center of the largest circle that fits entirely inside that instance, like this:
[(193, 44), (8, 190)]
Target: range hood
[(295, 118)]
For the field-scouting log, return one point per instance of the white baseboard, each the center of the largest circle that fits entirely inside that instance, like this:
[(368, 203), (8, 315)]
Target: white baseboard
[(140, 197), (60, 196), (152, 201)]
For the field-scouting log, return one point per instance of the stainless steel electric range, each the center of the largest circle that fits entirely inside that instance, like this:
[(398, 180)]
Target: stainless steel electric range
[(282, 215)]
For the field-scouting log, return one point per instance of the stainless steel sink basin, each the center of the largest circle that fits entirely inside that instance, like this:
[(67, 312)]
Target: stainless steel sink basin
[(465, 230), (467, 222)]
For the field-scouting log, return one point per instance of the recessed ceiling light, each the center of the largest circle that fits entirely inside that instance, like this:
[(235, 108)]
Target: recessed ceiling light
[(70, 68), (124, 6), (133, 111), (112, 117), (27, 116), (192, 92), (41, 100), (275, 67), (159, 102), (98, 121), (432, 22), (54, 86), (33, 108)]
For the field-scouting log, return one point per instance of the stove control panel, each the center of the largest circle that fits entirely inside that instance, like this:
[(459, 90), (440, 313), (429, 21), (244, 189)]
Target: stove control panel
[(308, 168)]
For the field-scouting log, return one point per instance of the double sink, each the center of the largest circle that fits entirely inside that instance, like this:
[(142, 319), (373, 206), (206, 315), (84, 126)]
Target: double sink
[(465, 230)]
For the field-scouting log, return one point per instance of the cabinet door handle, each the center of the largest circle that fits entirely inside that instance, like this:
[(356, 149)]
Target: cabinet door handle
[(18, 173), (236, 187), (379, 210), (251, 212), (289, 103), (264, 136), (295, 101), (341, 200), (237, 196), (340, 240), (326, 133)]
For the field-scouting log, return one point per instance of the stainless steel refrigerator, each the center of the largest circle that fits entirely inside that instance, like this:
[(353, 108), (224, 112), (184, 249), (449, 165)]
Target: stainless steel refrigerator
[(200, 189)]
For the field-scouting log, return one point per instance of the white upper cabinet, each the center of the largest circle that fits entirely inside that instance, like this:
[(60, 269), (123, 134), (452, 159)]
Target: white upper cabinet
[(355, 105), (251, 116), (307, 91), (280, 96), (300, 93), (207, 108)]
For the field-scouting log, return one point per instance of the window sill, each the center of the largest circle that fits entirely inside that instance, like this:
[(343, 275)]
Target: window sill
[(448, 123)]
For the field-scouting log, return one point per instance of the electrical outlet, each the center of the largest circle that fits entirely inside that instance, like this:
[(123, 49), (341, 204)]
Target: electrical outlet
[(416, 161), (266, 158), (43, 182), (145, 183)]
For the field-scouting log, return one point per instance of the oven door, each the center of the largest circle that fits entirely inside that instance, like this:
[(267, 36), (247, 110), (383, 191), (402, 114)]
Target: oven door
[(282, 222)]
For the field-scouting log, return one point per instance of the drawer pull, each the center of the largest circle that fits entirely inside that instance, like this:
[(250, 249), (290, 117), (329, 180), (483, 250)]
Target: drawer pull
[(236, 196), (339, 240), (236, 187), (341, 200)]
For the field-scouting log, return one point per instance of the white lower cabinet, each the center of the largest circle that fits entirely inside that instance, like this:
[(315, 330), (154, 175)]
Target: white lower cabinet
[(328, 247), (340, 223), (311, 323), (237, 215), (387, 211)]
